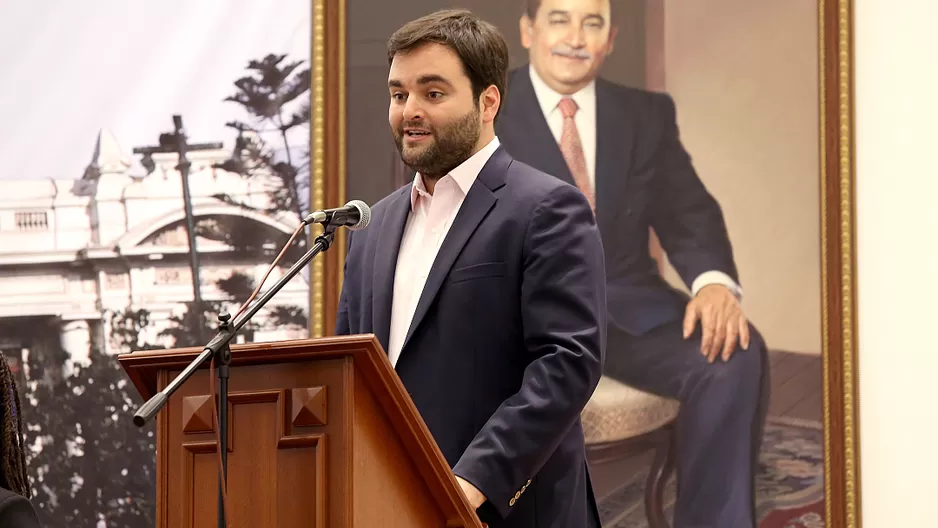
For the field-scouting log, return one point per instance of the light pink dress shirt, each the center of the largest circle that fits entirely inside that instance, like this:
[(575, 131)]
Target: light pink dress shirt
[(430, 219)]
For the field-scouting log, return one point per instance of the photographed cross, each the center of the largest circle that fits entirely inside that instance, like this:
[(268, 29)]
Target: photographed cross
[(177, 142)]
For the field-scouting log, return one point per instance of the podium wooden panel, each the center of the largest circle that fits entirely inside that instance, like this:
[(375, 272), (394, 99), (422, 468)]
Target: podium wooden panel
[(322, 433)]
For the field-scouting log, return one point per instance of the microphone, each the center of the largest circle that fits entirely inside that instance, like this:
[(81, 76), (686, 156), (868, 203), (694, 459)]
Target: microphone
[(354, 215)]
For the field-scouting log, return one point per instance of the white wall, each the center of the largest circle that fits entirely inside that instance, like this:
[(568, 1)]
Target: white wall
[(744, 76), (897, 192)]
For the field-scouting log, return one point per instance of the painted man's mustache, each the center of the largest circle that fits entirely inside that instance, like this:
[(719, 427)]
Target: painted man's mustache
[(572, 54)]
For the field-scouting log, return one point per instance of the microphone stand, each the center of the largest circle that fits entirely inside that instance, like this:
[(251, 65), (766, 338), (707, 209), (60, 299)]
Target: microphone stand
[(219, 349)]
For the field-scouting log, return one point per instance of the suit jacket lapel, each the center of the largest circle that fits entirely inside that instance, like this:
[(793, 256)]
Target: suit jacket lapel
[(478, 202), (389, 242), (613, 153)]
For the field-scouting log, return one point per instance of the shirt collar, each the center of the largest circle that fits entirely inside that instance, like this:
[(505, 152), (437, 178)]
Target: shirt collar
[(549, 99), (464, 174)]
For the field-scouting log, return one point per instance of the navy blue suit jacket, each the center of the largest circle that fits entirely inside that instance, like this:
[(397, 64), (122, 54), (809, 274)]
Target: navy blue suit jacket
[(644, 179), (506, 345)]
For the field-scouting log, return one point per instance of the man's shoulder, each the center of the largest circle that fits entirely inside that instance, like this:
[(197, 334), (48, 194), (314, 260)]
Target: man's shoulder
[(531, 185), (632, 94), (534, 178)]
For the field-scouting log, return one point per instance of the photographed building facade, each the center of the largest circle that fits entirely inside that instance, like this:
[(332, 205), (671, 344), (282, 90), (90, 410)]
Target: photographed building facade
[(73, 251)]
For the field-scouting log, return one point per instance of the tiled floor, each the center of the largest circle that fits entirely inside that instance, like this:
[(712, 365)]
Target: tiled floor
[(796, 393)]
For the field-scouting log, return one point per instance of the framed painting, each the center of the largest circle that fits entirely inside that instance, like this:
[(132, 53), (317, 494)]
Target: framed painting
[(763, 102)]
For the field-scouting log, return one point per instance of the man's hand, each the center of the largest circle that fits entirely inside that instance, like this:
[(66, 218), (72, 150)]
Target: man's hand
[(476, 498), (722, 322)]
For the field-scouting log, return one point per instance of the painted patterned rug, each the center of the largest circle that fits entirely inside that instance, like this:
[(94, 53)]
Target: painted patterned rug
[(790, 486)]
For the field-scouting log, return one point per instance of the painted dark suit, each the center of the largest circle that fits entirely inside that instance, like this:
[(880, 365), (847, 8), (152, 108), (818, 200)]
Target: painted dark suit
[(505, 347), (644, 179)]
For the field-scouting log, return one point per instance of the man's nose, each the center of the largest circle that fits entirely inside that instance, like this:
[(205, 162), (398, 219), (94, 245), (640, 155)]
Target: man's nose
[(576, 37), (413, 110)]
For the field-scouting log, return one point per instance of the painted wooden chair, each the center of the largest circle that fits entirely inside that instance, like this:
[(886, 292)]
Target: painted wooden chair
[(619, 422)]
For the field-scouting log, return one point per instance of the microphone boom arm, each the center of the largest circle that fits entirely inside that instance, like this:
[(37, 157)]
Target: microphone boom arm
[(225, 334), (354, 215)]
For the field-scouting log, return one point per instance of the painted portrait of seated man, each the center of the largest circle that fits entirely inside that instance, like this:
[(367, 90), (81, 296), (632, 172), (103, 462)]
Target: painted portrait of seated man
[(620, 145)]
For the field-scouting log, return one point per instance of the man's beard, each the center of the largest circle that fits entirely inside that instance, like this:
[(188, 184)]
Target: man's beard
[(449, 146)]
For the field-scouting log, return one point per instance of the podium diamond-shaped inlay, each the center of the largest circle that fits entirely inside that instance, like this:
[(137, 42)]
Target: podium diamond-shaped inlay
[(308, 407), (197, 415)]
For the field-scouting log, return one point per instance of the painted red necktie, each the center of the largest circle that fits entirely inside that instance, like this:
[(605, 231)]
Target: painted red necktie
[(572, 149)]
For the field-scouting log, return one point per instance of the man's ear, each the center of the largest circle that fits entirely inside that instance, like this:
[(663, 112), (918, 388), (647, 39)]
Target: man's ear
[(489, 102), (611, 44), (526, 29)]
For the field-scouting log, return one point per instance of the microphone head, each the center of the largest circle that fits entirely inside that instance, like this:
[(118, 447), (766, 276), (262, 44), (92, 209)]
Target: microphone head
[(364, 214)]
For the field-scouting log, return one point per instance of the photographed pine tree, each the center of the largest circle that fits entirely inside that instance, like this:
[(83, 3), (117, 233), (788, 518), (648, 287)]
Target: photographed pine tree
[(89, 465)]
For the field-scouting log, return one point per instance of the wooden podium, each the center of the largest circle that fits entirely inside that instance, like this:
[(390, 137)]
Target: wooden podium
[(322, 433)]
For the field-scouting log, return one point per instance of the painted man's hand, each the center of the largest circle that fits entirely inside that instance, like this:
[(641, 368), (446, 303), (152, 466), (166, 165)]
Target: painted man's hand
[(723, 324)]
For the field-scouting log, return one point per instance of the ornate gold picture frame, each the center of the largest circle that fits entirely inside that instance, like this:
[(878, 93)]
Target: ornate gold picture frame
[(838, 265), (837, 219)]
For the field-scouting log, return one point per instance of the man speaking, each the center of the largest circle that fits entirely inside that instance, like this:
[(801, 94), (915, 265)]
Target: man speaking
[(484, 281)]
